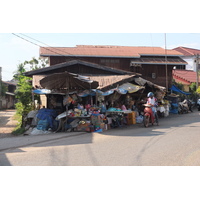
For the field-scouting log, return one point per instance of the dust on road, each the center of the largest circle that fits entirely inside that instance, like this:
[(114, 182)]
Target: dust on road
[(7, 123)]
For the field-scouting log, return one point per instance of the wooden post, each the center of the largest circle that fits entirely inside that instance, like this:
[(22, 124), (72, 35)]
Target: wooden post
[(197, 70)]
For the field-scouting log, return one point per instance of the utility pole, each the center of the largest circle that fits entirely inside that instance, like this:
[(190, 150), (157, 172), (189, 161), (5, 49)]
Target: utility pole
[(197, 70), (166, 70)]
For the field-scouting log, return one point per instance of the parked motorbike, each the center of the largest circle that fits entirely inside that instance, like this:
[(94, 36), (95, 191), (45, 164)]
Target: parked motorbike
[(148, 113), (198, 104), (190, 105), (183, 107)]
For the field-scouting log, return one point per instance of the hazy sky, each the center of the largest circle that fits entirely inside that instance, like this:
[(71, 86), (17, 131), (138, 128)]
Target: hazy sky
[(71, 23), (14, 50)]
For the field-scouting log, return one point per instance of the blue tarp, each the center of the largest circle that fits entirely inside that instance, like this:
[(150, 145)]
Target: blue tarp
[(175, 89), (47, 114), (41, 91)]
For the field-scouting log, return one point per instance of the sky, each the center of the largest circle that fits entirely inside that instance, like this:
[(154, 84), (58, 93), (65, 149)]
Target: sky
[(107, 22), (15, 50)]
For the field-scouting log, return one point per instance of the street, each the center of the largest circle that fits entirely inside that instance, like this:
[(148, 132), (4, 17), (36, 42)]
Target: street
[(175, 142), (7, 122)]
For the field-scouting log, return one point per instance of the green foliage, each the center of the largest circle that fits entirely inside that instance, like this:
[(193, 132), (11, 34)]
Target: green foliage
[(24, 90), (37, 63), (23, 93), (198, 90), (18, 130), (178, 85), (4, 89), (193, 88)]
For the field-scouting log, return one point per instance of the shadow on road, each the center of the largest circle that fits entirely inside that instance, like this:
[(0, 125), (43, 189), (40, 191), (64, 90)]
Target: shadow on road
[(137, 130)]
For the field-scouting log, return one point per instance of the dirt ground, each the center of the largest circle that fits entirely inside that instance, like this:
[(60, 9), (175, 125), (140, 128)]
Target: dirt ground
[(7, 123)]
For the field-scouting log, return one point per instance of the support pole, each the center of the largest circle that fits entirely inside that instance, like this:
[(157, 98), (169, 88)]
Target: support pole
[(166, 68), (197, 70)]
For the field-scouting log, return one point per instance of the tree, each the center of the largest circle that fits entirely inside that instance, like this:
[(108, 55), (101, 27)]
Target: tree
[(4, 89), (37, 63), (23, 93), (24, 87)]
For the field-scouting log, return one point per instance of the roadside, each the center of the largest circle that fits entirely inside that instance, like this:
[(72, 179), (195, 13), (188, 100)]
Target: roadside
[(7, 123)]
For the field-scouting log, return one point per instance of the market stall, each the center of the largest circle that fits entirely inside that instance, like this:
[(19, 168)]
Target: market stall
[(85, 104)]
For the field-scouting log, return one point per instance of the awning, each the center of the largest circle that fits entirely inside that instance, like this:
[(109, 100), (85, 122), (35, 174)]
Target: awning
[(175, 89), (68, 81), (140, 81), (122, 89), (158, 61)]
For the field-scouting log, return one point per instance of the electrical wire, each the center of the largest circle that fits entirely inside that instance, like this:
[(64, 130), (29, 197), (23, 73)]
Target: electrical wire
[(47, 45), (41, 46)]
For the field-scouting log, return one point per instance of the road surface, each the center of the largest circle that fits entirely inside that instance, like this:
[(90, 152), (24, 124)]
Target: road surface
[(7, 123), (175, 142)]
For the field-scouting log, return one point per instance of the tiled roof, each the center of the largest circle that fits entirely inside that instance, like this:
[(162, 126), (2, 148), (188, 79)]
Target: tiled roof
[(10, 83), (186, 76), (105, 51), (187, 51)]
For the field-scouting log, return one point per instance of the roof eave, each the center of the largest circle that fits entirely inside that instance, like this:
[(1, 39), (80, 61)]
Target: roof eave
[(174, 55), (152, 63), (95, 56)]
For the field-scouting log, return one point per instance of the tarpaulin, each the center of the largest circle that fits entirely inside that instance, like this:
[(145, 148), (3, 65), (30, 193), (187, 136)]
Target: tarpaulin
[(42, 91), (175, 89), (130, 87)]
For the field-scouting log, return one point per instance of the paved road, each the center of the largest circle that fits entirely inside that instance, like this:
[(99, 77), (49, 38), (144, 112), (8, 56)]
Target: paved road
[(176, 142)]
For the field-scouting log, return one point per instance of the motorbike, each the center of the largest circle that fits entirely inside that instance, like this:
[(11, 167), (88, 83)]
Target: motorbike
[(185, 106), (190, 105), (149, 116), (198, 104)]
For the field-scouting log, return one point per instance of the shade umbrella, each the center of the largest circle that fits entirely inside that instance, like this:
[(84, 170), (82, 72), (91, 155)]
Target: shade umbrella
[(68, 81)]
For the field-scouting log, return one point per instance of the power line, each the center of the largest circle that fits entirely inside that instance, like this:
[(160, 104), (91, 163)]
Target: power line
[(46, 45), (41, 46)]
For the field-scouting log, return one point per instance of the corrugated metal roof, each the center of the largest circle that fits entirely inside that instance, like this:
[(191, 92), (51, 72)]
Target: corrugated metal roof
[(170, 61), (73, 62), (105, 51), (105, 81)]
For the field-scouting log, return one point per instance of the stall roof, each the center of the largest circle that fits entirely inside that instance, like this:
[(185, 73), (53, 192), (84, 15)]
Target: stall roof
[(115, 81), (68, 81), (74, 62), (110, 81)]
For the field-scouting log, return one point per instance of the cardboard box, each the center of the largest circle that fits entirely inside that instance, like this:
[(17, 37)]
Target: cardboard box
[(131, 118), (84, 127)]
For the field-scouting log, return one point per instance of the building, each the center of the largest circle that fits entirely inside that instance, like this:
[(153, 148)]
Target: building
[(185, 77), (189, 55), (8, 101), (155, 64)]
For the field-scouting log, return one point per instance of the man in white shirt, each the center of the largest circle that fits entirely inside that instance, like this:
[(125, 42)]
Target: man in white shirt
[(152, 101)]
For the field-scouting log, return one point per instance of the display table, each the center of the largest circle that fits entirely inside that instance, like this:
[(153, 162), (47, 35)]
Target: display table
[(122, 112), (76, 119), (120, 118)]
